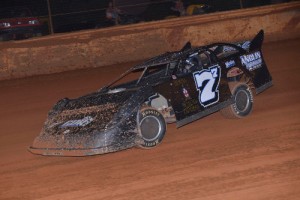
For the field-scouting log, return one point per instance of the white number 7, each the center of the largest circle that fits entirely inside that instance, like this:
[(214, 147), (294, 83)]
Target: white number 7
[(207, 83)]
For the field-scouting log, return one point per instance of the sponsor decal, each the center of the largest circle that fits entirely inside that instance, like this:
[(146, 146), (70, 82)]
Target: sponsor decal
[(185, 93), (228, 49), (151, 144), (78, 123), (66, 131), (245, 45), (190, 106), (207, 83), (230, 63), (252, 61), (150, 112)]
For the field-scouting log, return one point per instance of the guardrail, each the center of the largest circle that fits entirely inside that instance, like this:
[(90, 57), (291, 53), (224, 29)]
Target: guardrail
[(102, 47)]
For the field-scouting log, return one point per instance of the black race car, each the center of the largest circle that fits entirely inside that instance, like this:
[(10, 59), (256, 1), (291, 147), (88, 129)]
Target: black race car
[(180, 86)]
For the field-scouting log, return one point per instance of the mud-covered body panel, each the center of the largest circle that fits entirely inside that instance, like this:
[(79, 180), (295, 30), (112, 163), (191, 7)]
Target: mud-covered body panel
[(94, 124)]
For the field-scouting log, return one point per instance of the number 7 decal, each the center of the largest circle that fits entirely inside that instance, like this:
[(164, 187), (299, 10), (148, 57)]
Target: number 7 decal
[(207, 83)]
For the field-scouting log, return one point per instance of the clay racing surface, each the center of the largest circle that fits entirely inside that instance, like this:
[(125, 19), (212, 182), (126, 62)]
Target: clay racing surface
[(255, 158)]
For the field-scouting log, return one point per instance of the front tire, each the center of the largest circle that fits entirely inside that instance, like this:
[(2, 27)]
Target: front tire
[(151, 127), (243, 102)]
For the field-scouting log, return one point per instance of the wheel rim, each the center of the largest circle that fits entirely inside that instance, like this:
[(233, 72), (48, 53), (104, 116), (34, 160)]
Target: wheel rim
[(150, 128), (242, 100)]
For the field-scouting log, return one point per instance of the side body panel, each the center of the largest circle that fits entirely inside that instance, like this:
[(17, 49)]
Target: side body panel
[(197, 94)]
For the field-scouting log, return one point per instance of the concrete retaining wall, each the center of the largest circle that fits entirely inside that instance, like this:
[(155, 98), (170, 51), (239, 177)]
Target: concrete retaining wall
[(96, 48)]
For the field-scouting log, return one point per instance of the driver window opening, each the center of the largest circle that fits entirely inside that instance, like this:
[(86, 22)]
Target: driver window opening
[(205, 61)]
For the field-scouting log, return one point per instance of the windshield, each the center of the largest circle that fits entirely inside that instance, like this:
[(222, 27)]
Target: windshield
[(135, 78)]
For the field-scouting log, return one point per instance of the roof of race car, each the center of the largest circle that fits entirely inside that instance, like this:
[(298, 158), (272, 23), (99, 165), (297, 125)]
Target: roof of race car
[(160, 60), (169, 57), (166, 57)]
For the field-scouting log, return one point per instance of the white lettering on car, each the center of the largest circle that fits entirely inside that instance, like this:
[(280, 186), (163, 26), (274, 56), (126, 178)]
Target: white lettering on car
[(207, 83)]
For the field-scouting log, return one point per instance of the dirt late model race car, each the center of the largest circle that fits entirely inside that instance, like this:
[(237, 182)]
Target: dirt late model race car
[(180, 86)]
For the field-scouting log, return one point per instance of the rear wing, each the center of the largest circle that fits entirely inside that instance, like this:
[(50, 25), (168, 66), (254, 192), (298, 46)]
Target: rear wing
[(257, 41), (254, 44)]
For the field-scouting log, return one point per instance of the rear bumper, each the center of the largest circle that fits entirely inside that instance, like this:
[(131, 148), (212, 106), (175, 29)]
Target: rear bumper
[(264, 87)]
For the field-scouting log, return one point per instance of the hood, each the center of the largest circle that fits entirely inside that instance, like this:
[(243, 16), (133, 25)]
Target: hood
[(79, 123)]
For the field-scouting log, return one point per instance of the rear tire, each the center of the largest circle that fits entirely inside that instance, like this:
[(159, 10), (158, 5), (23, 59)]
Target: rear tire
[(243, 102), (151, 127)]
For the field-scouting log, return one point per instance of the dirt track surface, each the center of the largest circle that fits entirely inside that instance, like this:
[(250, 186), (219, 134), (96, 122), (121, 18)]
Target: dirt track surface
[(255, 158)]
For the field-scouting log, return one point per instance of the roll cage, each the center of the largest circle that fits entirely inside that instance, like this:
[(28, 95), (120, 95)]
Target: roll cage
[(170, 63)]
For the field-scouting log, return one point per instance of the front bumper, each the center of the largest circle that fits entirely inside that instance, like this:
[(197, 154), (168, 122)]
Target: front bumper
[(78, 152), (84, 145)]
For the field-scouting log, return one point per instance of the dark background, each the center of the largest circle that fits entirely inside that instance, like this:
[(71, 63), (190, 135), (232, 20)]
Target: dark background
[(72, 15)]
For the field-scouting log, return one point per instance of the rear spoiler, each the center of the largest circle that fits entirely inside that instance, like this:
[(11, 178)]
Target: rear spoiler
[(255, 43), (187, 46)]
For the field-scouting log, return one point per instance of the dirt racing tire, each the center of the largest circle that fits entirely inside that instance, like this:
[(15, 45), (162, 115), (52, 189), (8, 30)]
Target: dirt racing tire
[(151, 127), (243, 102)]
